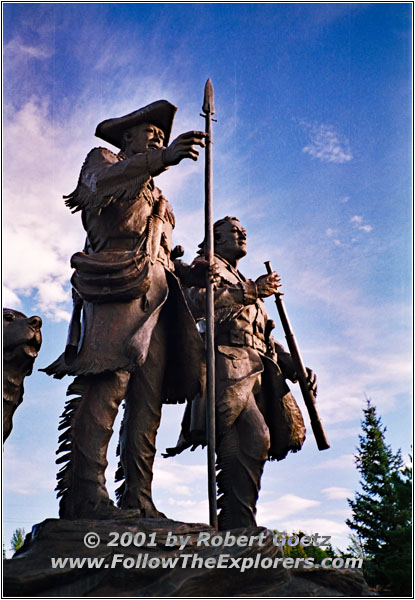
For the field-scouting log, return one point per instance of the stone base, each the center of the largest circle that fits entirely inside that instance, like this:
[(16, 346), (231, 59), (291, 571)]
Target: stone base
[(30, 574)]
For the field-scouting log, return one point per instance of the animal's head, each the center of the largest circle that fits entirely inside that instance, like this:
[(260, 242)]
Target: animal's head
[(22, 338)]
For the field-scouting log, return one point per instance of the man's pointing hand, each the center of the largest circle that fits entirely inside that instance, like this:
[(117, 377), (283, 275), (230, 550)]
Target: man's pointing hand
[(184, 147)]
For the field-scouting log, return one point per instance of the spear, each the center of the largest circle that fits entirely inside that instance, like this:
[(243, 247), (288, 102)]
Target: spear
[(208, 110)]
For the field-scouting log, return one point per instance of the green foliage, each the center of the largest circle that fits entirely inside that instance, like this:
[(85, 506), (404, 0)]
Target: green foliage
[(312, 551), (355, 549), (382, 511), (17, 539)]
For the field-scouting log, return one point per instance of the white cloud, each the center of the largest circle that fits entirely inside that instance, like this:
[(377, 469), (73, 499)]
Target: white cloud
[(180, 490), (10, 299), (278, 515), (39, 233), (357, 220), (19, 474), (330, 231), (274, 512), (18, 50), (337, 530), (170, 475), (337, 493), (372, 354), (326, 144), (187, 511), (342, 432), (345, 461)]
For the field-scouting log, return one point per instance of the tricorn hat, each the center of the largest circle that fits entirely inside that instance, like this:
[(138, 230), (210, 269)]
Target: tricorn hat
[(160, 113)]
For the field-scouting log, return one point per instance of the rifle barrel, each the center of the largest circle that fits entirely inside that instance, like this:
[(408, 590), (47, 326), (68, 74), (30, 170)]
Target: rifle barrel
[(309, 399)]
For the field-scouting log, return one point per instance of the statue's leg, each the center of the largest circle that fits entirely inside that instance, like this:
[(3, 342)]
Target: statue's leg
[(241, 454), (88, 419), (139, 427)]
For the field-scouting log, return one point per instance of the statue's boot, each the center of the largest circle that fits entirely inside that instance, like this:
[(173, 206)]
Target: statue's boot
[(241, 454), (139, 429), (88, 420)]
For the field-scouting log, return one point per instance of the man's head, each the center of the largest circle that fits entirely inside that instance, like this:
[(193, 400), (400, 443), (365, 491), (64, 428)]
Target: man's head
[(160, 114), (141, 138), (229, 239)]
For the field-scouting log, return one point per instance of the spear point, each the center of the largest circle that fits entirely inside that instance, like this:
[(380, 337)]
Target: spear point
[(208, 106)]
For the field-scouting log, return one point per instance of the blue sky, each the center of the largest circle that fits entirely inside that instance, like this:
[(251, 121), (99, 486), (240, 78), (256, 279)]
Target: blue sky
[(312, 152)]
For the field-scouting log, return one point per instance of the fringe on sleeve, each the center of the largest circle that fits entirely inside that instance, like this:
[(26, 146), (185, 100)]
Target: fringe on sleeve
[(85, 197)]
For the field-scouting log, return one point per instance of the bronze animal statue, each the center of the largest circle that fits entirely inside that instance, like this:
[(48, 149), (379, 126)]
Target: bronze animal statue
[(22, 340), (139, 341), (257, 417)]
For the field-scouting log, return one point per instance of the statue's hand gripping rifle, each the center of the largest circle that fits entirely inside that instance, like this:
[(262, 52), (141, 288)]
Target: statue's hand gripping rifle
[(308, 395)]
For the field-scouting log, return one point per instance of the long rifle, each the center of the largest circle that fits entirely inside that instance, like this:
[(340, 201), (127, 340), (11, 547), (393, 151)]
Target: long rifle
[(309, 399), (208, 110)]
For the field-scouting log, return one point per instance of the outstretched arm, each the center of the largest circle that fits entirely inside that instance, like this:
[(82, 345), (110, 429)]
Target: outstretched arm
[(150, 163)]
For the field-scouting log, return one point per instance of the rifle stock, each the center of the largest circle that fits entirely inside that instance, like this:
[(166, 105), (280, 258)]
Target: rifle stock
[(308, 396)]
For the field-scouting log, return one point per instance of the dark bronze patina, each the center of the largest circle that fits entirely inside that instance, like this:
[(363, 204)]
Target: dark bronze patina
[(208, 110), (22, 340), (307, 392), (138, 340), (257, 417)]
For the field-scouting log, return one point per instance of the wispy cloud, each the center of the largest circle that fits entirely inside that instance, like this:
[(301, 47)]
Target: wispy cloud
[(10, 299), (337, 493), (336, 529), (357, 221), (180, 490), (276, 511), (39, 247), (38, 233), (345, 461), (17, 50), (19, 475), (347, 231), (193, 511), (325, 143)]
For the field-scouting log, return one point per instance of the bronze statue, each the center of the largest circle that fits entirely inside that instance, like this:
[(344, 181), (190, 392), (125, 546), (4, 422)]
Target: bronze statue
[(257, 417), (137, 339), (22, 340)]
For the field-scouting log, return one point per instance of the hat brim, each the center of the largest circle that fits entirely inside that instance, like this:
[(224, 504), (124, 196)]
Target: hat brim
[(160, 113)]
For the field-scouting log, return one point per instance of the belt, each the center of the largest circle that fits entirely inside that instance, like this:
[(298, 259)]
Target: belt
[(133, 244), (122, 243), (241, 338)]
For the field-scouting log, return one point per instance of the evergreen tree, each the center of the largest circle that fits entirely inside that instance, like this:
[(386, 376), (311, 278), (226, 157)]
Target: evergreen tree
[(382, 511), (398, 562), (17, 539), (355, 548)]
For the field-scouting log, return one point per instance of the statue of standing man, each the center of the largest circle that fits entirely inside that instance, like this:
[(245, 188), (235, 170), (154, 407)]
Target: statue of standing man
[(131, 336), (257, 417)]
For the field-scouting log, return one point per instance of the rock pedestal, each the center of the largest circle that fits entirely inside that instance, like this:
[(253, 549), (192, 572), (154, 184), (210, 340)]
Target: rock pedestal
[(136, 557)]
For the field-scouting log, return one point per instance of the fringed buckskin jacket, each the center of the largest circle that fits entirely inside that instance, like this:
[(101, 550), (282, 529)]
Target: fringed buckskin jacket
[(124, 277), (248, 360)]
